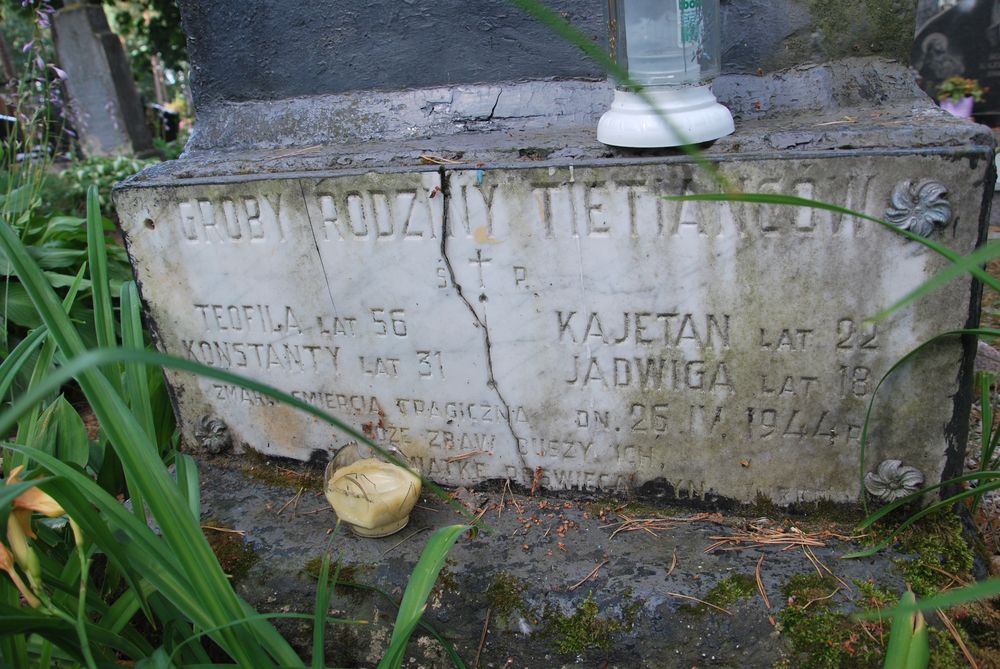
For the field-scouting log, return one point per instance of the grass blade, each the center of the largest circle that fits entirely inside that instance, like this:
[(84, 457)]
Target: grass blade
[(11, 491), (977, 332), (26, 430), (945, 503), (19, 357), (900, 636), (98, 258), (971, 263), (145, 471), (136, 378), (187, 480), (417, 590), (323, 594)]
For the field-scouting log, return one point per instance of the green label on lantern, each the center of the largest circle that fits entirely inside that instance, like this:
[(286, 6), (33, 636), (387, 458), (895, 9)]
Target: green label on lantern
[(691, 21)]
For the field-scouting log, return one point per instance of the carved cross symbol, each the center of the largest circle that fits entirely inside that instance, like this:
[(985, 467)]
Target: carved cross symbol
[(480, 260)]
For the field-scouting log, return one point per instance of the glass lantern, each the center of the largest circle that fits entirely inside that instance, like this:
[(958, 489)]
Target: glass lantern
[(369, 494), (671, 49)]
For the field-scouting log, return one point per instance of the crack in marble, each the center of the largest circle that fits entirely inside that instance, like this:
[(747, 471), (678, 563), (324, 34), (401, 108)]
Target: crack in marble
[(481, 323), (319, 253)]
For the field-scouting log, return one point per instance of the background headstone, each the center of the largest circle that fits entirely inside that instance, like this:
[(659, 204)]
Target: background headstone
[(960, 39), (107, 112)]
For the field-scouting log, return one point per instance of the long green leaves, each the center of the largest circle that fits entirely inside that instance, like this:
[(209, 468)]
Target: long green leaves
[(971, 263), (417, 590), (908, 640), (145, 473), (179, 566), (323, 594)]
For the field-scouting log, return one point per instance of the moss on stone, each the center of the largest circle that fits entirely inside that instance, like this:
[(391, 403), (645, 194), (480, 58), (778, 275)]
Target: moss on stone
[(865, 27), (729, 591), (505, 596), (265, 470), (822, 638), (723, 594), (945, 653), (979, 622), (583, 630), (939, 551), (803, 588), (632, 509), (874, 597), (446, 580), (235, 555), (347, 577)]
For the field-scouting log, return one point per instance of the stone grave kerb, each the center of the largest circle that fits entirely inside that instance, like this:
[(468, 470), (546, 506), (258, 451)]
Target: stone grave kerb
[(447, 259)]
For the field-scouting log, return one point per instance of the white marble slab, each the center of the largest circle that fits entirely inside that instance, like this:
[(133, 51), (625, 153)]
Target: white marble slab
[(568, 323)]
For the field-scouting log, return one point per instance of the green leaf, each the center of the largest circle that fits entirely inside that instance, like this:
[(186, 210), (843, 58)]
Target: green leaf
[(98, 259), (136, 378), (144, 470), (919, 654), (63, 227), (16, 306), (158, 660), (411, 609), (26, 427), (187, 481), (900, 636), (323, 595), (11, 491), (57, 280), (982, 590), (19, 357), (16, 201), (53, 257), (72, 445), (960, 264)]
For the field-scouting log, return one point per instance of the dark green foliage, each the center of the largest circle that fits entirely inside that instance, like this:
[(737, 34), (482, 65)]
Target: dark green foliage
[(103, 172)]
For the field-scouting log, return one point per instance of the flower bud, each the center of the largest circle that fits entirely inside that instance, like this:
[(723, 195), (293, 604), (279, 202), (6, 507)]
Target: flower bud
[(23, 553)]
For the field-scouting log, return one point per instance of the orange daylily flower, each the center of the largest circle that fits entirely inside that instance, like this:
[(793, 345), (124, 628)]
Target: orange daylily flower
[(31, 500), (19, 529)]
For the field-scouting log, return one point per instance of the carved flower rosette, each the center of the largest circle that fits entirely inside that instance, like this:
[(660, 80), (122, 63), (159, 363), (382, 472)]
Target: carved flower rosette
[(893, 480), (212, 434), (919, 208)]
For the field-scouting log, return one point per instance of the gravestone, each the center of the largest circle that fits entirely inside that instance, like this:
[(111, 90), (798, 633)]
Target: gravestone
[(104, 101), (960, 39), (462, 272)]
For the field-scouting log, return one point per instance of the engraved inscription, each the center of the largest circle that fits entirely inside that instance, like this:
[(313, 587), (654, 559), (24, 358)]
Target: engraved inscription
[(572, 327)]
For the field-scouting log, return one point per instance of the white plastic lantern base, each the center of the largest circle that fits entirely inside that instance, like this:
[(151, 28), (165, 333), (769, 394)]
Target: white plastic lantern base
[(695, 116)]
